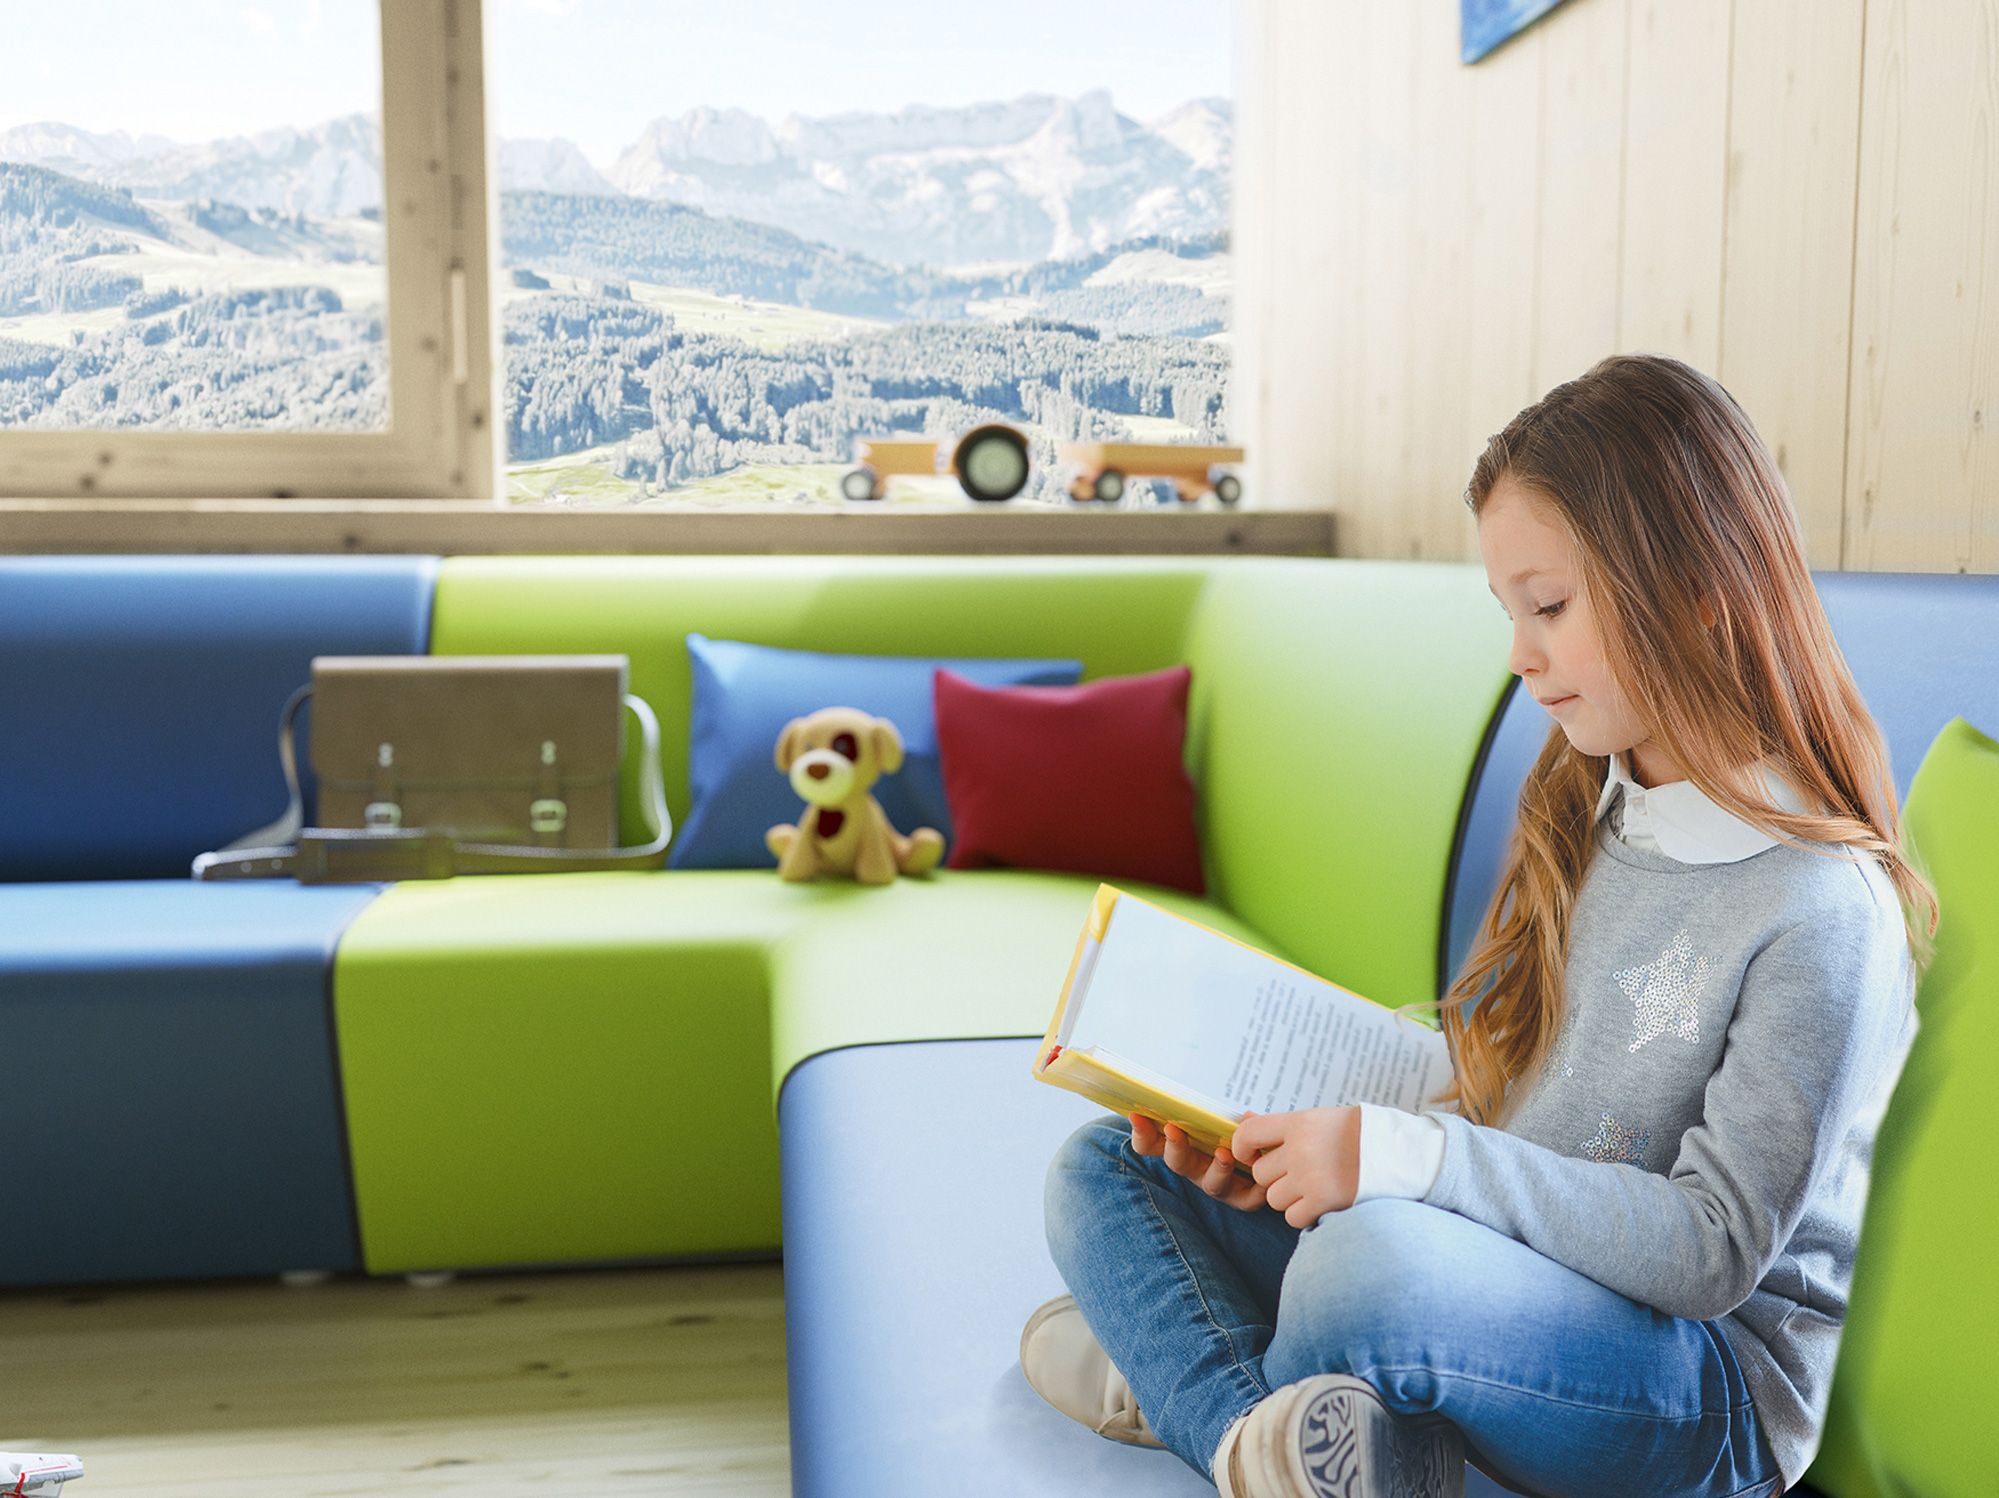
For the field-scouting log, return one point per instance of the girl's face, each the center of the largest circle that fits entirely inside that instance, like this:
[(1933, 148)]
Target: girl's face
[(1557, 653)]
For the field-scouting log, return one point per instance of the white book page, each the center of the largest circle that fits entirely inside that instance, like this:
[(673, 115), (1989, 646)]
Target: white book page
[(1219, 1019)]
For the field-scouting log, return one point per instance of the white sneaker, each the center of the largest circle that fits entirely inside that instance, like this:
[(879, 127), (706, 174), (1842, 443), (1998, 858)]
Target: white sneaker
[(37, 1475), (1066, 1366), (1332, 1436)]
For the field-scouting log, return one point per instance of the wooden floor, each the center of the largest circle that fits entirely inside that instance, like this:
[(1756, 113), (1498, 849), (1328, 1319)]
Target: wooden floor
[(604, 1382)]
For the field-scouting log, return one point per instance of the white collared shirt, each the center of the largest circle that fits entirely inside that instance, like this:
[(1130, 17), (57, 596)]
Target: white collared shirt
[(1401, 1153), (1676, 819)]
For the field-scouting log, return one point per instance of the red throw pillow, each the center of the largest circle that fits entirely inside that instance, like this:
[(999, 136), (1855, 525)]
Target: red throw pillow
[(1085, 779)]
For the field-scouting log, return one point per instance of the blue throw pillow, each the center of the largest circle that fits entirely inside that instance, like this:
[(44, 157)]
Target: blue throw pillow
[(743, 695)]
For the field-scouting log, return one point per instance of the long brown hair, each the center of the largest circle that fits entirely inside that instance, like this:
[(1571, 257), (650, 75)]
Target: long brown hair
[(1688, 553)]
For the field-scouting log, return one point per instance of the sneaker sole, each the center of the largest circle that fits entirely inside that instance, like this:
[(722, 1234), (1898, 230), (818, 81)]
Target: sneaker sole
[(1337, 1439)]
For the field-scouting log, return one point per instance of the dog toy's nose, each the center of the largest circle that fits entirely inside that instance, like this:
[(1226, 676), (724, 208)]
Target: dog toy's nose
[(818, 772)]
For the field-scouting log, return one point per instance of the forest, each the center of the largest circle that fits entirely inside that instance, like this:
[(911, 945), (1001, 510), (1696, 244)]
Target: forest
[(587, 364)]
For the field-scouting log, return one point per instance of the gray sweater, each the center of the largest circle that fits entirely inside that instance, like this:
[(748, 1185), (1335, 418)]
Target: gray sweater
[(1700, 1138)]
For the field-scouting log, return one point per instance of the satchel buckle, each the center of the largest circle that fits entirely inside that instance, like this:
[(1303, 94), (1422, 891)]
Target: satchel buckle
[(382, 816), (548, 815)]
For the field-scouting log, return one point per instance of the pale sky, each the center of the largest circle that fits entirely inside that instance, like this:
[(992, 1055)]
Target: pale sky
[(598, 71)]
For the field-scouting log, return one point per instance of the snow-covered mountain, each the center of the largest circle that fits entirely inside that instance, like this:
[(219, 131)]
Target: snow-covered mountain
[(329, 170), (1204, 129), (74, 152), (549, 166), (1023, 180)]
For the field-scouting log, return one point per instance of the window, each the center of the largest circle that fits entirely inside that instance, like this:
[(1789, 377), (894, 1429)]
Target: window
[(735, 239), (216, 261), (203, 289), (283, 248)]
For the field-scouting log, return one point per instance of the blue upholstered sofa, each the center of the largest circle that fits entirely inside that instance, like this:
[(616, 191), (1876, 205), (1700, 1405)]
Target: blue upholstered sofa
[(181, 1114), (188, 1112)]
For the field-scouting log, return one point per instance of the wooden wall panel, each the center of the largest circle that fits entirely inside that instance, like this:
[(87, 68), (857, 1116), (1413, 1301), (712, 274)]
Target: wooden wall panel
[(1380, 266), (1294, 241), (1922, 476), (1787, 288), (1414, 254), (1502, 223), (1801, 196), (1337, 454), (1675, 151), (1438, 317), (1582, 186), (1259, 286)]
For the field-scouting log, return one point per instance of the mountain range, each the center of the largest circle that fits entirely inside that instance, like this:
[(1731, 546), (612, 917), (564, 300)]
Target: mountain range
[(673, 344), (1034, 178)]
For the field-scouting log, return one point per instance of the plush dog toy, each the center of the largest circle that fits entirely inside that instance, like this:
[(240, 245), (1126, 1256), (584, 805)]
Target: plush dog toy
[(833, 756)]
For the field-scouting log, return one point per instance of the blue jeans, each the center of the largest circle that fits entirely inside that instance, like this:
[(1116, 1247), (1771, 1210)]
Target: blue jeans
[(1559, 1385)]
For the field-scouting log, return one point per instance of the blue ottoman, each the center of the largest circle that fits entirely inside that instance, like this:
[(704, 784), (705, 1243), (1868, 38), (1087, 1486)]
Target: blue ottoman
[(904, 1299), (172, 1109)]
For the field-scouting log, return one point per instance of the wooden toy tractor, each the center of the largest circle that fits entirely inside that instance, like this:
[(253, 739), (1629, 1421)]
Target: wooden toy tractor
[(1103, 467), (989, 462)]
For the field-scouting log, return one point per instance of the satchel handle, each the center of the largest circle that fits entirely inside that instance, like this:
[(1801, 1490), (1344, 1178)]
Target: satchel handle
[(335, 855)]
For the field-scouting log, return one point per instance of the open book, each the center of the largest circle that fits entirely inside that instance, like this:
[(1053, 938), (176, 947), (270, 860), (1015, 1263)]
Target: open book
[(35, 1474), (1163, 1016)]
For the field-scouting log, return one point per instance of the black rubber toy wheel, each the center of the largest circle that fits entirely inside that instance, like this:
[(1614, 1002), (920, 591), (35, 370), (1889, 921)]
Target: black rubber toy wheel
[(1109, 486), (860, 483), (991, 463)]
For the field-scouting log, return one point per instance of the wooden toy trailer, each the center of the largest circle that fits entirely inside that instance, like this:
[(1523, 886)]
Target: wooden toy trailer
[(989, 462), (1103, 467)]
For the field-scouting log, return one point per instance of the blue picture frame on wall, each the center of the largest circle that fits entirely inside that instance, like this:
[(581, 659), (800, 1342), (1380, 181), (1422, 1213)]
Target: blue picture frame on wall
[(1487, 23)]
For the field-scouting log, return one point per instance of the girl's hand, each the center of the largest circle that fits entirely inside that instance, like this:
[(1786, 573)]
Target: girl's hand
[(1308, 1162), (1215, 1174)]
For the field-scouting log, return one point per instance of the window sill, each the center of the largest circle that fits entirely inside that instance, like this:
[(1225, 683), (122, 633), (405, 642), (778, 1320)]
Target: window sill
[(460, 527)]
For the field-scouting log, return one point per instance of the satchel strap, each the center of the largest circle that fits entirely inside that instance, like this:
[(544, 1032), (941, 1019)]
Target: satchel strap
[(284, 831), (276, 849)]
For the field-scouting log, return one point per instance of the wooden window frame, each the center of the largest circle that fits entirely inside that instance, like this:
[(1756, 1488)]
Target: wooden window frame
[(436, 212), (434, 481)]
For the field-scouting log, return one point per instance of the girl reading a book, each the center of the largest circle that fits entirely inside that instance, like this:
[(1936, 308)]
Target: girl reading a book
[(1613, 1255)]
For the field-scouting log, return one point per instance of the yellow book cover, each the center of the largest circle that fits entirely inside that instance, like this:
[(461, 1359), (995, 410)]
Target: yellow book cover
[(1164, 1016)]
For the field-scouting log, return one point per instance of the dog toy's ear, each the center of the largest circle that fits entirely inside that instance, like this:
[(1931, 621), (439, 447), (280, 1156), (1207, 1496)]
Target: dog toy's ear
[(789, 742), (888, 745)]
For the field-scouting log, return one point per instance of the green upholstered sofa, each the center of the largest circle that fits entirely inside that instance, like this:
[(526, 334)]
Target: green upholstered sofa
[(544, 1069)]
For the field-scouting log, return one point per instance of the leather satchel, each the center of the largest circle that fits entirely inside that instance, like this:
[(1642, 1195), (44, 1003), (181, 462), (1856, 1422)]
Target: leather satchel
[(431, 766)]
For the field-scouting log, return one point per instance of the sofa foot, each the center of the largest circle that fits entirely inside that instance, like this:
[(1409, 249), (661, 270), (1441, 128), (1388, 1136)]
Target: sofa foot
[(430, 1279), (304, 1279)]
